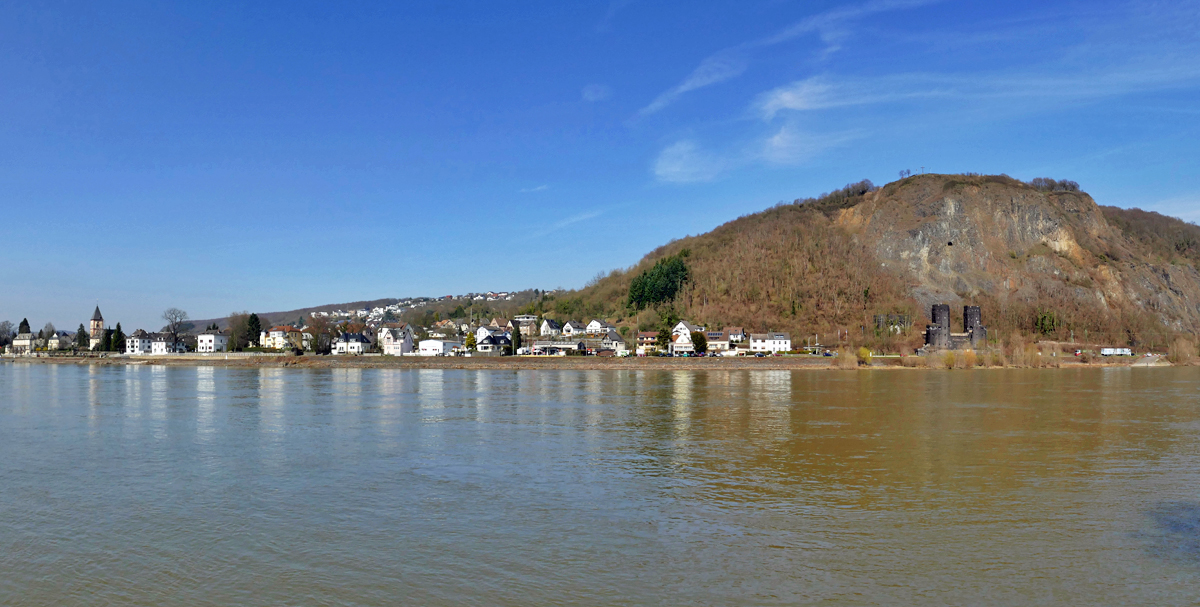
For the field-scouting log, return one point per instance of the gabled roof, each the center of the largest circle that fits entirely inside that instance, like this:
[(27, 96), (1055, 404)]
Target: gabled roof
[(96, 315), (553, 323)]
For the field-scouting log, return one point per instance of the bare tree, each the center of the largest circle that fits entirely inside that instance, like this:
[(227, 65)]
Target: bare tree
[(239, 332), (175, 319), (49, 332), (7, 331), (322, 331)]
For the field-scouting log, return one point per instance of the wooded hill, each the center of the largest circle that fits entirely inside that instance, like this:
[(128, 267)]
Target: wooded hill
[(1041, 258)]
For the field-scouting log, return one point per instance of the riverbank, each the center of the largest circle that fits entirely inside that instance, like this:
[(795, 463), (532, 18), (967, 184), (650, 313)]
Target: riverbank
[(589, 363)]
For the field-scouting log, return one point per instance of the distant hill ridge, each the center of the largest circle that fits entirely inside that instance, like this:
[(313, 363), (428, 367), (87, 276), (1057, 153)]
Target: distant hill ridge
[(290, 316), (1040, 258)]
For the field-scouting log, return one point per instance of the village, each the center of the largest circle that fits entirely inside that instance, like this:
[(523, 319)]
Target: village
[(377, 332), (374, 332)]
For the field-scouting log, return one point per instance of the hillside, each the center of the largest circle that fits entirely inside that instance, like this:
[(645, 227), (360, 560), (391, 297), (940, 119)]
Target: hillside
[(290, 316), (1042, 259)]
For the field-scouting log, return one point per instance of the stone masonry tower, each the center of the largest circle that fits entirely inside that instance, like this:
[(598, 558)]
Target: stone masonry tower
[(96, 331)]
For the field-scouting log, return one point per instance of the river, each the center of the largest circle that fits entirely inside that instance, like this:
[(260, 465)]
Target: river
[(150, 485)]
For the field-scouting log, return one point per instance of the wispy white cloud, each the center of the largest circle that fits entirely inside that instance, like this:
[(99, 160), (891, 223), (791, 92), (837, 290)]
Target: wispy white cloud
[(717, 68), (570, 221), (614, 7), (596, 92), (791, 145), (685, 162), (831, 26), (1039, 88), (540, 188), (1186, 207)]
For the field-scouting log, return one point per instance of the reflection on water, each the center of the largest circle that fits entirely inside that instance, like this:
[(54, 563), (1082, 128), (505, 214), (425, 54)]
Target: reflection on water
[(1176, 531), (182, 486)]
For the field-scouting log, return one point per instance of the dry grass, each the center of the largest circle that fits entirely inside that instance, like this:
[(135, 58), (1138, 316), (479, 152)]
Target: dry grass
[(969, 360), (995, 358), (949, 360), (1182, 351), (845, 359)]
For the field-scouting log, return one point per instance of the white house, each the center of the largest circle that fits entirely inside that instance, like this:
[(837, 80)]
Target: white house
[(493, 343), (550, 328), (396, 340), (58, 341), (718, 341), (437, 347), (682, 344), (612, 341), (525, 318), (486, 330), (138, 342), (210, 341), (573, 327), (161, 344), (350, 343), (598, 327), (685, 327), (24, 343), (770, 342)]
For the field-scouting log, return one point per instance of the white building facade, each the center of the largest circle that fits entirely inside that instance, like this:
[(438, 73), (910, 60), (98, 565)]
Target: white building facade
[(138, 343), (350, 343), (212, 342), (770, 342), (437, 347), (162, 346), (396, 341)]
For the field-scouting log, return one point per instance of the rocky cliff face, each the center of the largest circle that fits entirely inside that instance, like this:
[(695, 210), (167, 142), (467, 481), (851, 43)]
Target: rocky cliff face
[(960, 238)]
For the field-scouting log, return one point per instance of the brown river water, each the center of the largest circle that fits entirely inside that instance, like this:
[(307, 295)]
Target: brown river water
[(136, 485)]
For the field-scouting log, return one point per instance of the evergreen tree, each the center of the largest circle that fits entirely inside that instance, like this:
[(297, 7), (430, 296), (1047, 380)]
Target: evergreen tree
[(660, 283), (82, 339), (24, 327), (253, 329), (699, 341), (118, 339), (470, 342), (516, 339), (106, 341)]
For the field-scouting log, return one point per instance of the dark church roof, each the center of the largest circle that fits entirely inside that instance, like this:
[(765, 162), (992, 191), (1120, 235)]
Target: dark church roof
[(97, 315)]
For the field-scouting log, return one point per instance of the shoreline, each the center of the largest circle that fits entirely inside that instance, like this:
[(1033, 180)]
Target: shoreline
[(589, 363)]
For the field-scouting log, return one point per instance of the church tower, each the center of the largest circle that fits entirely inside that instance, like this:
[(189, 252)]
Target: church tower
[(97, 329)]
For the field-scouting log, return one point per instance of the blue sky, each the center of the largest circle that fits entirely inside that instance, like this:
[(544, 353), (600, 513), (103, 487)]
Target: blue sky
[(266, 156)]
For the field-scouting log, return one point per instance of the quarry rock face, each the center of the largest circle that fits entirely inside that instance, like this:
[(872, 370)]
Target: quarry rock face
[(957, 238)]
